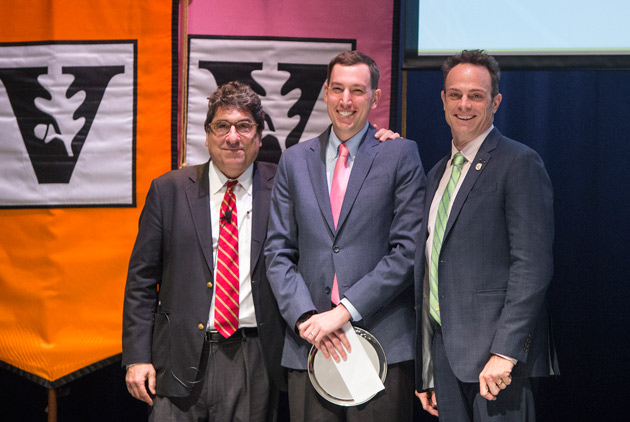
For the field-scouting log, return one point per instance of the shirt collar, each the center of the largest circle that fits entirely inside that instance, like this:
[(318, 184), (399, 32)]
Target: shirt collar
[(352, 143), (471, 148), (218, 179)]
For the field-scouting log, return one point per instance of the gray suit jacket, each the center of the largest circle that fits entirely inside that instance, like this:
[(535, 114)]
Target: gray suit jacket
[(173, 252), (495, 265), (371, 251)]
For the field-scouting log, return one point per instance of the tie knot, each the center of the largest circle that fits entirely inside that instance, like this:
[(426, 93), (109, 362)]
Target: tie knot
[(343, 150), (458, 159), (230, 184)]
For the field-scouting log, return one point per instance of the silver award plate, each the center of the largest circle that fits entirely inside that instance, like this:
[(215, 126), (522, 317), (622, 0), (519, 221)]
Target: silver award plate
[(326, 378)]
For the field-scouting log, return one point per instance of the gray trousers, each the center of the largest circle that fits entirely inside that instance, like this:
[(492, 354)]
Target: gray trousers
[(235, 388)]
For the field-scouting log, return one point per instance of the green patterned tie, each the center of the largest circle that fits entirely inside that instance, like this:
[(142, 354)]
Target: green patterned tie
[(438, 235)]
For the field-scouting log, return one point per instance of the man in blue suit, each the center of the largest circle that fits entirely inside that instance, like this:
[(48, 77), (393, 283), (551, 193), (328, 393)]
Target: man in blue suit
[(363, 256), (484, 261)]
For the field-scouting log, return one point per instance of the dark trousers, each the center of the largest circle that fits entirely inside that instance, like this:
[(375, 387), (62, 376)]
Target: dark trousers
[(235, 388), (461, 402), (395, 403)]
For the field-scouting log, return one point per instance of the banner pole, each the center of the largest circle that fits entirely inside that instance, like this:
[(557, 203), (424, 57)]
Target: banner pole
[(52, 405), (183, 77)]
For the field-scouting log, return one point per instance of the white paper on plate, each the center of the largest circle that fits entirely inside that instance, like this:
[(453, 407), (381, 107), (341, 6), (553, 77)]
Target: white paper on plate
[(357, 371)]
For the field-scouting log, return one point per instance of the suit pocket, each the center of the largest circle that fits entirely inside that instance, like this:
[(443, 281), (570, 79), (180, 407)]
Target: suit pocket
[(489, 305), (495, 292), (375, 180), (483, 189), (161, 340)]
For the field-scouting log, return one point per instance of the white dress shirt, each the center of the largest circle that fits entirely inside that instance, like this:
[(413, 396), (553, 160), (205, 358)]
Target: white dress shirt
[(243, 194)]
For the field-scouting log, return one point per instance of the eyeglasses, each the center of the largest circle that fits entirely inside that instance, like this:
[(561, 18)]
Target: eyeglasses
[(223, 127)]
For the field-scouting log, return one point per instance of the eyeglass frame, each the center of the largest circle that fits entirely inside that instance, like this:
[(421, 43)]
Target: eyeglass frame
[(211, 129)]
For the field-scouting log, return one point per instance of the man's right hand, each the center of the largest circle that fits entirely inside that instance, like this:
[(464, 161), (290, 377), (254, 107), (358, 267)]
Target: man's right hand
[(429, 402), (137, 378)]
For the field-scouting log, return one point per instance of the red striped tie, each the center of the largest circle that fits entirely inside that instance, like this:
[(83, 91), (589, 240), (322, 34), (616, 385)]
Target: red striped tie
[(227, 284)]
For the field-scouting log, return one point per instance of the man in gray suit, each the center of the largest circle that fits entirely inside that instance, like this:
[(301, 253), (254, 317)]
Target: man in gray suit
[(359, 255), (180, 355), (484, 261)]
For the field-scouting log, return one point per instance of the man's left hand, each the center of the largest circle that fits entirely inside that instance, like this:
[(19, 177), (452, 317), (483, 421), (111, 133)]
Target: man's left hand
[(495, 377), (385, 134)]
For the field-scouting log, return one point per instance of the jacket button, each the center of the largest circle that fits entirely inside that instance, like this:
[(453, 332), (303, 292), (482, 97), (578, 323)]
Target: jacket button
[(201, 326), (336, 249), (209, 284), (327, 290)]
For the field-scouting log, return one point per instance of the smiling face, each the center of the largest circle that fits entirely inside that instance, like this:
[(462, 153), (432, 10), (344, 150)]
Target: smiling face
[(349, 99), (468, 103), (233, 153)]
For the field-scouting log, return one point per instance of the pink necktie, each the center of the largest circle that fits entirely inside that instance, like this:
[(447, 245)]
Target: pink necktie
[(337, 192)]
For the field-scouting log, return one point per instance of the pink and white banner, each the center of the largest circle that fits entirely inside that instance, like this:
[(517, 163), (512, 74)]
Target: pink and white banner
[(281, 49)]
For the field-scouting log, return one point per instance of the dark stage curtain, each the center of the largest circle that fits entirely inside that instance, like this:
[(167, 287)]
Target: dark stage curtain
[(579, 123)]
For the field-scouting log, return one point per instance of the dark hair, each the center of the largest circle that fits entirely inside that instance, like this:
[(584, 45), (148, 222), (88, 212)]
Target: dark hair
[(350, 58), (236, 95), (478, 58)]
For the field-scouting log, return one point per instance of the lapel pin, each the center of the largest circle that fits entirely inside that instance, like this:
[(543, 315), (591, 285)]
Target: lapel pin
[(478, 166)]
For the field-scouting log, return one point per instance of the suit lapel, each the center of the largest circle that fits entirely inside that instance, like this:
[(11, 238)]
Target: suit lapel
[(261, 191), (198, 196), (360, 169), (316, 163), (476, 168), (433, 181)]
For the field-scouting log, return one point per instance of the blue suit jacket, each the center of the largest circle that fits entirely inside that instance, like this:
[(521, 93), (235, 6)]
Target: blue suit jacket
[(495, 264), (173, 251), (371, 251)]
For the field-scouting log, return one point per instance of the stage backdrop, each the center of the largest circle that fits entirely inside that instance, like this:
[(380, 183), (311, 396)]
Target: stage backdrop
[(86, 105), (282, 49), (85, 124)]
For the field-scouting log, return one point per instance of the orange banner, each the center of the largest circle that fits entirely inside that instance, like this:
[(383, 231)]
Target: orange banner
[(85, 125)]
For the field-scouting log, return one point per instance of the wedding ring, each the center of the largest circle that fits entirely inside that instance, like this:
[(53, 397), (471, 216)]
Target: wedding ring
[(500, 382), (312, 335)]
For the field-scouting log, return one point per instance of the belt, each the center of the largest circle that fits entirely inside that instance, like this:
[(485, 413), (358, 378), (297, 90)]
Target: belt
[(214, 336)]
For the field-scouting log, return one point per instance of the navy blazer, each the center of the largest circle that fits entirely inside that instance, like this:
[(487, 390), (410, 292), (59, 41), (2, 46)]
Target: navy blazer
[(173, 254), (371, 251), (494, 266)]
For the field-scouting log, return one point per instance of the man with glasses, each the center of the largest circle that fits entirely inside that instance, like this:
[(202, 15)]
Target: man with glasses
[(202, 335)]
